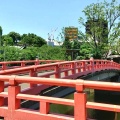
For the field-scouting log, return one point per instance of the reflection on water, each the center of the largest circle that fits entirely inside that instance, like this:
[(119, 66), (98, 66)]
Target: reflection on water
[(62, 109), (108, 97), (99, 96)]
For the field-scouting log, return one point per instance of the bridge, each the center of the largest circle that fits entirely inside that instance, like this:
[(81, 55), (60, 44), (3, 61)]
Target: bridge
[(24, 80)]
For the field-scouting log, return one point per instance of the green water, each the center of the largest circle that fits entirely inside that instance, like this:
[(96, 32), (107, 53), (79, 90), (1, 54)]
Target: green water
[(91, 113), (62, 109)]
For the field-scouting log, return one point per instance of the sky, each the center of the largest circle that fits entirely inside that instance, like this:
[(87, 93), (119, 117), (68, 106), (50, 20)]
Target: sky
[(41, 16)]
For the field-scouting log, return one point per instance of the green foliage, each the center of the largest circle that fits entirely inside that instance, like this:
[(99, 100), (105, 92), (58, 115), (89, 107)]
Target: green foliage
[(0, 31), (30, 53), (116, 48), (36, 47), (9, 53), (66, 43), (75, 44), (49, 53), (101, 37), (85, 51), (31, 39), (15, 36), (0, 35), (7, 40), (71, 48)]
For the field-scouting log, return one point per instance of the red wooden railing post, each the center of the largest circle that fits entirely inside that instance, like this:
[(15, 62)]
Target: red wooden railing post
[(66, 73), (44, 107), (47, 62), (33, 74), (22, 64), (80, 103), (1, 90), (97, 65), (78, 65), (88, 66), (92, 66), (37, 61), (73, 68), (4, 66), (57, 70), (83, 66), (13, 102), (102, 64)]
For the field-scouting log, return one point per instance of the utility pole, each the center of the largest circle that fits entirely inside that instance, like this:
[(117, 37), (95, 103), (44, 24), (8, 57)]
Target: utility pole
[(0, 37)]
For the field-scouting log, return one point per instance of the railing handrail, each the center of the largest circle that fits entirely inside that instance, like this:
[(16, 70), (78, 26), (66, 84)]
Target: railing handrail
[(27, 61), (16, 64), (61, 82), (36, 67)]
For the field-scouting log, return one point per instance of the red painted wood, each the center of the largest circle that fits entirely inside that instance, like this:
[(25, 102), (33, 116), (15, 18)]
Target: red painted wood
[(1, 90), (80, 106), (103, 106), (44, 107), (70, 69)]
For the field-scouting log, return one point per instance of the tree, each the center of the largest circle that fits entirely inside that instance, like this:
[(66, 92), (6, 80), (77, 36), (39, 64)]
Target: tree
[(102, 26), (0, 35), (116, 48), (75, 44), (85, 53), (49, 52), (39, 41), (15, 36), (7, 39), (66, 44), (31, 39)]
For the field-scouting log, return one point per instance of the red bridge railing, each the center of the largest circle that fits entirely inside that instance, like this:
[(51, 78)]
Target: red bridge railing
[(69, 69), (66, 70), (13, 110), (17, 64)]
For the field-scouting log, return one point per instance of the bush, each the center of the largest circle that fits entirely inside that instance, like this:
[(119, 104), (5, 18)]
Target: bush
[(30, 53)]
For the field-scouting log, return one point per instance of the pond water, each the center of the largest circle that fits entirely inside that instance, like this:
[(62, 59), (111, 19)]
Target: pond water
[(98, 96)]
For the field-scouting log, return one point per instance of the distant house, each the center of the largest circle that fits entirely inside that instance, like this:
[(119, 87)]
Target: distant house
[(115, 58), (54, 43), (50, 43)]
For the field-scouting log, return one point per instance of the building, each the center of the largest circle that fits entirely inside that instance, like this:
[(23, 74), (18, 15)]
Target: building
[(50, 43), (115, 58), (71, 33)]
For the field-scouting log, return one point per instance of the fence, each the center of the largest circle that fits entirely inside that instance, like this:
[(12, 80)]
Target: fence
[(71, 69), (14, 112), (17, 64)]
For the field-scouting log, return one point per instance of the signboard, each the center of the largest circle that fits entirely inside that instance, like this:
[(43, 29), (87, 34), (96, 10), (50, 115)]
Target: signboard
[(71, 33)]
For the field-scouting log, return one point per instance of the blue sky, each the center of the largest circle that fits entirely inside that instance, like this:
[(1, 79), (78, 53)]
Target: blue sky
[(40, 16)]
